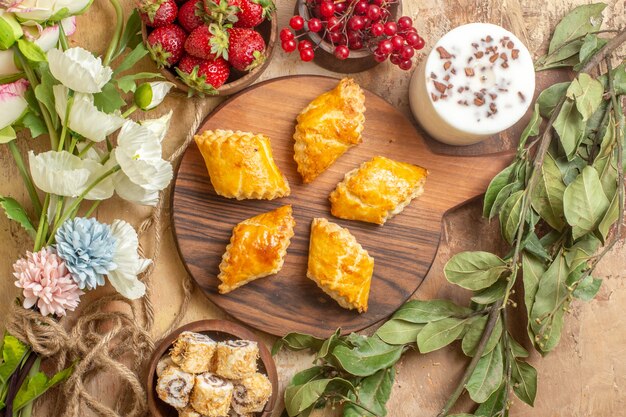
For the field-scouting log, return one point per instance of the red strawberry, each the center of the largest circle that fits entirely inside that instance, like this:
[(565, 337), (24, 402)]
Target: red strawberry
[(246, 50), (157, 13), (191, 15), (253, 12), (207, 42), (222, 11), (166, 45), (203, 75)]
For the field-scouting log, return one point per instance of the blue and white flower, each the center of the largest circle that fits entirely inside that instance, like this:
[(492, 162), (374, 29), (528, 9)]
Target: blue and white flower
[(129, 263), (79, 70), (87, 247)]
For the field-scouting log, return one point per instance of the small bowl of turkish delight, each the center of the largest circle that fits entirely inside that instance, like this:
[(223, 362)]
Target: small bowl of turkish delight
[(211, 368)]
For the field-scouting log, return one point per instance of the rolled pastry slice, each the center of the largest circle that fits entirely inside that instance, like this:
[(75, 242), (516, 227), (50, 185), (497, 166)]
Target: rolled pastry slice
[(164, 363), (251, 394), (174, 386), (236, 359), (241, 165), (188, 412), (257, 248), (377, 190), (211, 395), (193, 352), (339, 265), (329, 126)]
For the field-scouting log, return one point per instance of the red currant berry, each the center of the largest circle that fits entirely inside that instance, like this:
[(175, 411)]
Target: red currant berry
[(296, 22), (356, 23), (406, 65), (304, 44), (361, 7), (405, 22), (333, 24), (342, 52), (314, 24), (385, 46), (334, 37), (286, 34), (420, 43), (377, 2), (340, 7), (377, 29), (289, 45), (307, 54), (379, 57), (391, 28), (343, 39), (397, 42), (353, 36), (373, 12), (356, 45), (327, 8), (395, 59), (411, 38), (407, 52)]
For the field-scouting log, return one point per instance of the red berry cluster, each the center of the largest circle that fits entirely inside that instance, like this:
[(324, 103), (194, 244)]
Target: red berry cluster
[(204, 40), (350, 25)]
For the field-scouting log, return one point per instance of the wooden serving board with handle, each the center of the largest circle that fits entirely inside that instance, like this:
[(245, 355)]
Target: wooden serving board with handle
[(403, 248)]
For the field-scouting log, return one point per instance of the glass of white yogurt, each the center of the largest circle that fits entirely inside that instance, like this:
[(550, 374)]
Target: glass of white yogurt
[(478, 81)]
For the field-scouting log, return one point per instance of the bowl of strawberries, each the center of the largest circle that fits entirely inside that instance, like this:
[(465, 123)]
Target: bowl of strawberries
[(209, 47)]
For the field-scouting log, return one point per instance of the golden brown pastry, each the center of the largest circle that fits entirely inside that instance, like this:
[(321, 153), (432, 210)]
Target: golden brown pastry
[(257, 248), (328, 127), (236, 359), (339, 265), (251, 394), (211, 395), (241, 165), (174, 386), (377, 190), (193, 352)]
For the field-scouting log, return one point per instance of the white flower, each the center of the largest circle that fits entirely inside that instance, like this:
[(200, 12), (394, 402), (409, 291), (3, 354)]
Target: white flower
[(129, 264), (159, 126), (139, 155), (67, 175), (85, 118), (74, 7), (34, 12), (79, 70), (7, 63), (48, 37), (150, 95), (12, 102)]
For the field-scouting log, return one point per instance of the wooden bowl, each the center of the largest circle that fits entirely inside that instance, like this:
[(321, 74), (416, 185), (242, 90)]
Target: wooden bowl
[(218, 330), (358, 60), (237, 80)]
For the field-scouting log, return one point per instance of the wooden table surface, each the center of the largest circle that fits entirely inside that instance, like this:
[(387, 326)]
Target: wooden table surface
[(585, 376)]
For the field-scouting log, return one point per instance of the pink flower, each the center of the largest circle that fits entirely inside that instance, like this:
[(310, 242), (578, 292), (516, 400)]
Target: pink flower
[(46, 282)]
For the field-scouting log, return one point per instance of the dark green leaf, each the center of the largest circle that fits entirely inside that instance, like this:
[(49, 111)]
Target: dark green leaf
[(127, 83), (510, 216), (491, 294), (588, 288), (475, 332), (524, 378), (13, 351), (587, 93), (297, 341), (44, 93), (438, 334), (570, 127), (487, 376), (132, 58), (570, 169), (517, 349), (584, 202), (399, 332), (580, 21), (549, 98), (506, 176), (109, 99), (329, 344), (368, 358), (31, 50), (547, 197), (425, 311), (37, 385), (532, 244), (373, 393), (579, 253), (132, 33), (300, 397), (474, 270), (609, 218), (591, 45), (504, 194), (494, 404), (533, 270), (307, 375), (14, 211), (34, 123), (532, 128)]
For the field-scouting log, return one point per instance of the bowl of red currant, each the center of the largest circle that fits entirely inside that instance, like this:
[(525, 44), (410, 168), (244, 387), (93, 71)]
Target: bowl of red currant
[(350, 36)]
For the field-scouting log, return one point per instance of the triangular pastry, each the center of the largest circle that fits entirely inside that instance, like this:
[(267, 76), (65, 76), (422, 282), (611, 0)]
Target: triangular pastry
[(378, 190), (328, 127), (257, 248), (339, 265), (241, 165)]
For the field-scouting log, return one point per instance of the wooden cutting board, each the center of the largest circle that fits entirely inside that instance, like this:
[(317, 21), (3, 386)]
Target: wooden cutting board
[(403, 248)]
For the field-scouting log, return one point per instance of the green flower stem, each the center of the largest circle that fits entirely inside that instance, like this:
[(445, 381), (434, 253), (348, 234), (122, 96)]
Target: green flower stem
[(28, 181), (85, 149), (68, 110), (119, 27), (34, 82), (58, 209), (73, 144), (63, 38), (76, 204), (93, 208), (43, 225), (130, 111)]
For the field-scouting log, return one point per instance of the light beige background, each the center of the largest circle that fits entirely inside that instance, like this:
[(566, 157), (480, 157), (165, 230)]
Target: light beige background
[(586, 375)]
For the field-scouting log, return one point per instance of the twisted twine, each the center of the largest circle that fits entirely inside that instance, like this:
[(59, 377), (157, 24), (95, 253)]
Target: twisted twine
[(108, 337)]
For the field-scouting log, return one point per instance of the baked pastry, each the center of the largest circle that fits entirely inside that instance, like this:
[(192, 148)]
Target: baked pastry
[(257, 248), (236, 359), (188, 412), (328, 127), (211, 395), (164, 363), (377, 190), (241, 165), (174, 386), (251, 394), (193, 352), (339, 265)]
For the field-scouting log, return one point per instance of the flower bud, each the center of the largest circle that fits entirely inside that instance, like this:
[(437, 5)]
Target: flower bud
[(10, 30), (150, 95)]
